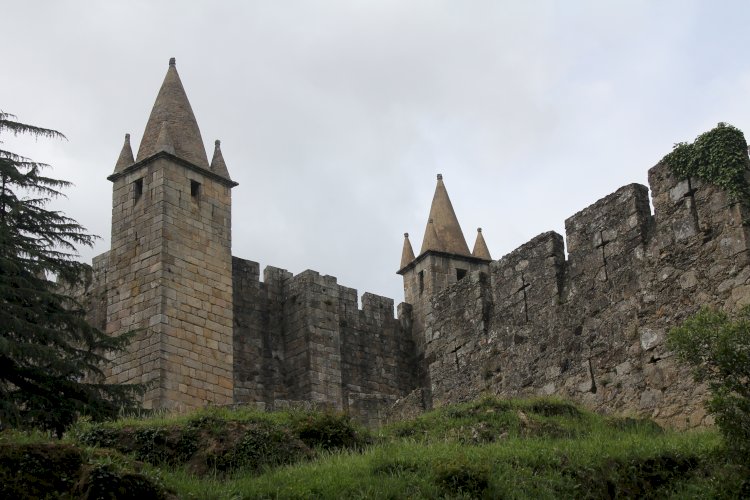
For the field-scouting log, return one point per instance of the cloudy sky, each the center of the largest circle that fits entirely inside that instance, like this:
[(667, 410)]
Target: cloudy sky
[(335, 116)]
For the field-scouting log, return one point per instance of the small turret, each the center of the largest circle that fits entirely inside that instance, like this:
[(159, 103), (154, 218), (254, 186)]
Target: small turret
[(431, 240), (480, 247), (450, 238), (407, 254), (173, 109), (217, 162), (164, 141), (443, 261), (126, 156)]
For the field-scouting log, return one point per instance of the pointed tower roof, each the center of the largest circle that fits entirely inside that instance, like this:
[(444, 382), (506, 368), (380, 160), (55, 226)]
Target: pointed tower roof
[(430, 241), (173, 108), (126, 156), (448, 235), (217, 162), (164, 140), (407, 254), (480, 247)]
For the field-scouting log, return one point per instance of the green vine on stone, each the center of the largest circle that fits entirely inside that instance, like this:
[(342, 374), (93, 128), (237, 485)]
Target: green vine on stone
[(718, 156)]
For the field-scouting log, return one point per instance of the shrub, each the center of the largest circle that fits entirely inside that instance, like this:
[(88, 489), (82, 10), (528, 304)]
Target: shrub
[(38, 470), (262, 445), (104, 481), (718, 156), (718, 349), (330, 431)]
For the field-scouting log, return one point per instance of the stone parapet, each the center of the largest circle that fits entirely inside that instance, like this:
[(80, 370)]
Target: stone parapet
[(318, 345), (592, 327)]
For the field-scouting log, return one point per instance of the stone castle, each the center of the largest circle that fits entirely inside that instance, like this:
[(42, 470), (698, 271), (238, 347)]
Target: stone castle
[(588, 327)]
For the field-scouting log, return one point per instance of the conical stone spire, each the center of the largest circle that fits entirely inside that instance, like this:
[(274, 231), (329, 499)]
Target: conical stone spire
[(480, 247), (173, 108), (164, 141), (430, 241), (407, 255), (217, 162), (126, 156), (448, 235)]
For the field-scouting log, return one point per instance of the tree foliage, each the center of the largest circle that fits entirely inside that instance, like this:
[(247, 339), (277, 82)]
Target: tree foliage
[(718, 349), (50, 357), (718, 156)]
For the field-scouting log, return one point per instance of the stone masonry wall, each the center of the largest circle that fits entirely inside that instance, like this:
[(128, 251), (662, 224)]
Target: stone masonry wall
[(196, 319), (168, 275), (133, 265), (428, 275), (592, 328), (304, 338)]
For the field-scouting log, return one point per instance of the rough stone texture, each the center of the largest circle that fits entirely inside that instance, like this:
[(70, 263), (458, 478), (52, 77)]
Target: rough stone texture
[(304, 338), (173, 116), (209, 331), (169, 275), (424, 278), (592, 327)]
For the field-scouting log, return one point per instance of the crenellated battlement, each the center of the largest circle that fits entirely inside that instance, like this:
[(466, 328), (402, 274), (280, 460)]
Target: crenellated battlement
[(304, 337), (592, 327), (589, 326)]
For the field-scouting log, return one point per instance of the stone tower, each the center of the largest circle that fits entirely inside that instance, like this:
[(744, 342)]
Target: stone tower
[(170, 265), (443, 260)]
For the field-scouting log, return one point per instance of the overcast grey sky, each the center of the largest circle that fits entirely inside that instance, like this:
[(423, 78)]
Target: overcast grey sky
[(335, 116)]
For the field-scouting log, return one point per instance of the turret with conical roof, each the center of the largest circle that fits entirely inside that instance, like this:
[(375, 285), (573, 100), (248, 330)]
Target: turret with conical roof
[(450, 238), (443, 259), (407, 254), (431, 241), (126, 156), (173, 115), (171, 259), (217, 162), (164, 140), (480, 247)]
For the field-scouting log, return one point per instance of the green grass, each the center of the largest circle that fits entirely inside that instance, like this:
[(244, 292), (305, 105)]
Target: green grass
[(489, 448)]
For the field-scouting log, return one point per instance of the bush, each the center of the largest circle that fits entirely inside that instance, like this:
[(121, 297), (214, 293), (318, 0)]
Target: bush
[(262, 445), (330, 431), (718, 349), (38, 470), (718, 156)]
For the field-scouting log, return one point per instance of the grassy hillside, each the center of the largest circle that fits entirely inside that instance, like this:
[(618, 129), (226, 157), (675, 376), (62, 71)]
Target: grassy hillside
[(489, 448)]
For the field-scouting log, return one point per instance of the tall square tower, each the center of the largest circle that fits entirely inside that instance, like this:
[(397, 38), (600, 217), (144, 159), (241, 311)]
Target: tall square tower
[(170, 265)]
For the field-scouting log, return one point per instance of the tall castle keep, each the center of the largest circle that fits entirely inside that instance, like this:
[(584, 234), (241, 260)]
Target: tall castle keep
[(589, 326)]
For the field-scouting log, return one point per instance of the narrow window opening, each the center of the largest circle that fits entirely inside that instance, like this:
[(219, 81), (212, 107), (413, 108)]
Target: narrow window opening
[(460, 273), (137, 189), (421, 281), (195, 189)]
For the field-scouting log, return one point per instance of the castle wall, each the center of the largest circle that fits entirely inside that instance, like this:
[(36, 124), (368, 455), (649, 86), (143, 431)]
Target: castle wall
[(168, 276), (592, 328), (430, 274), (378, 356), (258, 341), (91, 293), (304, 338)]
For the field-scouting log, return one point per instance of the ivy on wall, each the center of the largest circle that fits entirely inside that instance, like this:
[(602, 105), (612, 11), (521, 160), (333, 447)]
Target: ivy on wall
[(718, 156)]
